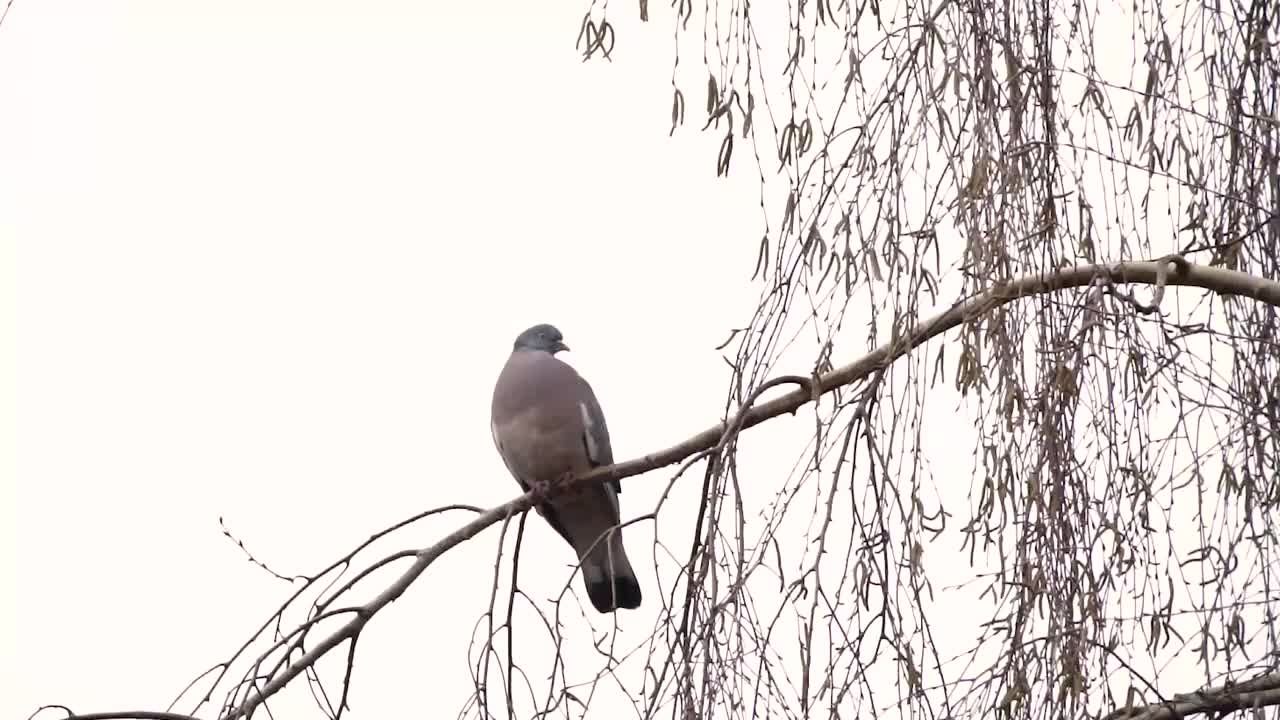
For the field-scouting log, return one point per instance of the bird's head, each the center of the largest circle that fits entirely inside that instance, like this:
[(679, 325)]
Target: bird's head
[(542, 337)]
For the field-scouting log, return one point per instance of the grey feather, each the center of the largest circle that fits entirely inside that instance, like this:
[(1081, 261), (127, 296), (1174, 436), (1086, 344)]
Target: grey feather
[(547, 424)]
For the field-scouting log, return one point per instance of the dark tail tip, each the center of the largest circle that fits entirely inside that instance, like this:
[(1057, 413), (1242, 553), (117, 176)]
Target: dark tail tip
[(623, 592)]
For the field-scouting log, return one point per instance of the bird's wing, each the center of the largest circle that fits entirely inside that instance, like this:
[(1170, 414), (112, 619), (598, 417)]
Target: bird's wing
[(546, 423)]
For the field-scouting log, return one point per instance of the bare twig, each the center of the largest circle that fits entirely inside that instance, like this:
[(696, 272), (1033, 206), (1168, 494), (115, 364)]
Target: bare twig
[(126, 715), (714, 440), (1226, 282)]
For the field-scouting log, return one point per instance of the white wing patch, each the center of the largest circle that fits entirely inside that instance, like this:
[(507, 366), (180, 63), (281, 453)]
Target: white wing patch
[(593, 449), (593, 452)]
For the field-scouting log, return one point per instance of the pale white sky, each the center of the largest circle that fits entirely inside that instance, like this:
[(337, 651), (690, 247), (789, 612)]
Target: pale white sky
[(270, 259)]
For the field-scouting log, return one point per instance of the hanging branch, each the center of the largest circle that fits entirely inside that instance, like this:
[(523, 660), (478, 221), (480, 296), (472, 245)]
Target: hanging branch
[(1162, 273)]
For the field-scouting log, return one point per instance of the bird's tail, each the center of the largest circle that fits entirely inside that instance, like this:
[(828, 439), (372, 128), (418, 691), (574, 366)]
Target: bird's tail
[(611, 583)]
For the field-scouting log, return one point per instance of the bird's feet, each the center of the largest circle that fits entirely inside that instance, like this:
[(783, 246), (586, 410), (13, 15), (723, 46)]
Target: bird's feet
[(563, 482), (540, 490)]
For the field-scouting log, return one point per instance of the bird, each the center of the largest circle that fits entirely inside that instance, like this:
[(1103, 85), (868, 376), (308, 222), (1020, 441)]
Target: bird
[(548, 427)]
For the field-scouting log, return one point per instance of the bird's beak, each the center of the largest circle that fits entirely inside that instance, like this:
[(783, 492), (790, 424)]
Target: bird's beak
[(561, 347)]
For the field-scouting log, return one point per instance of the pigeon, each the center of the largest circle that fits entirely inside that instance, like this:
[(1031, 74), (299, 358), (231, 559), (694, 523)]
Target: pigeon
[(548, 427)]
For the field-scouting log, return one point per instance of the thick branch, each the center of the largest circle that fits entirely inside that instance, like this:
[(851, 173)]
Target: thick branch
[(1262, 691), (1169, 271)]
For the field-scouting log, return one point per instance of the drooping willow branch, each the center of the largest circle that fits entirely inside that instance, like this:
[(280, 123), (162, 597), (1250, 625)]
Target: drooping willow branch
[(1169, 271)]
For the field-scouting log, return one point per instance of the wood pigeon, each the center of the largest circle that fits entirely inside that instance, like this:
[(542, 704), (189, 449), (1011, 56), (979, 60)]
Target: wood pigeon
[(548, 426)]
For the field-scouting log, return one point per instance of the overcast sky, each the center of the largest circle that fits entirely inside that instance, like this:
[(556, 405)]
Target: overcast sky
[(271, 257)]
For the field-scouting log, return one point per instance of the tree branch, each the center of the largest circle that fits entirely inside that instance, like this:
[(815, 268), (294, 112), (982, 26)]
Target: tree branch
[(1168, 271), (122, 715), (1261, 691), (1222, 281)]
